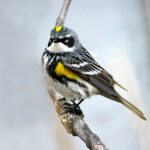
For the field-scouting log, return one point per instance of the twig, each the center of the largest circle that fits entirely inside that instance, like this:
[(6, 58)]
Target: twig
[(73, 121), (75, 124), (61, 18), (82, 130)]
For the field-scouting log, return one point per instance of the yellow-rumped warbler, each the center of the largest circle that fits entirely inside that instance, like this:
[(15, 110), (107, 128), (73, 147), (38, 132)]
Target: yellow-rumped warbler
[(74, 73)]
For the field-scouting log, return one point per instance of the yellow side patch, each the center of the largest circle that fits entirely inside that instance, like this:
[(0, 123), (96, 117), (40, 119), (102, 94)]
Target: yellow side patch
[(57, 29), (60, 70)]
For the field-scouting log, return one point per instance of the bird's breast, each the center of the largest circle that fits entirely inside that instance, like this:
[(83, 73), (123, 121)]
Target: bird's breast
[(54, 67)]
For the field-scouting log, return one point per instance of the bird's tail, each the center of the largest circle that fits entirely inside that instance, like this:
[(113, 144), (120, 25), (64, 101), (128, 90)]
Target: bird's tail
[(132, 108)]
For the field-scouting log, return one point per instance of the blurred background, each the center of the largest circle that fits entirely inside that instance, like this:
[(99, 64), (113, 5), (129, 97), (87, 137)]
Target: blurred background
[(116, 32)]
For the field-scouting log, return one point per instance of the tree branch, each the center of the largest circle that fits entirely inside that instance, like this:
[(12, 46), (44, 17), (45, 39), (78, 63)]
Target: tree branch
[(61, 18), (73, 121)]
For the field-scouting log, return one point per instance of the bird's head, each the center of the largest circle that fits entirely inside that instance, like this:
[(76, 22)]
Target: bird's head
[(62, 39)]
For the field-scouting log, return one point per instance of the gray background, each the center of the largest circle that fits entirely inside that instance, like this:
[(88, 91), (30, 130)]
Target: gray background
[(28, 120)]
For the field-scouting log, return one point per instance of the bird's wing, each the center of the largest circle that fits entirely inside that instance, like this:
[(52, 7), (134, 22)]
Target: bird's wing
[(107, 76), (92, 73), (88, 69)]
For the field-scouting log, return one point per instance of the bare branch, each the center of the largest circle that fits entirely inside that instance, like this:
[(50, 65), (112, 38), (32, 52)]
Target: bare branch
[(81, 129), (61, 18), (75, 124)]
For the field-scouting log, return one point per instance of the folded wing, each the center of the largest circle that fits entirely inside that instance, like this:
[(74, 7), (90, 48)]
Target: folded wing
[(89, 70)]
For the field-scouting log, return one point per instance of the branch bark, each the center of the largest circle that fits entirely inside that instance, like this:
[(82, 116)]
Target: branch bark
[(61, 18), (75, 124), (73, 121)]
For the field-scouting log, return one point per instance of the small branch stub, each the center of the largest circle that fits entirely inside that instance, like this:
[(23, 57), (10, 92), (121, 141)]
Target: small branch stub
[(61, 18)]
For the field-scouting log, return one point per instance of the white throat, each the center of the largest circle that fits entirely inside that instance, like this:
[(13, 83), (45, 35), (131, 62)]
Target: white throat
[(59, 47)]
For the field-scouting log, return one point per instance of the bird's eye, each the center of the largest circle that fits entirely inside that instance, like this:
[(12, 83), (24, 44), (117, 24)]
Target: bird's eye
[(66, 40)]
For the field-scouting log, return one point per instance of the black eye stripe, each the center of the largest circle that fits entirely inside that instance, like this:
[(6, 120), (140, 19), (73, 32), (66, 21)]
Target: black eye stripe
[(68, 41)]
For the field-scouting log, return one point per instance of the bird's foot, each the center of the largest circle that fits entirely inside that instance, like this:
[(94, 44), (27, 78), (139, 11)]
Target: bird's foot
[(72, 108), (79, 102)]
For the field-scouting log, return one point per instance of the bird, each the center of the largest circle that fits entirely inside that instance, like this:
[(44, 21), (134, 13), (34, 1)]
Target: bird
[(75, 74)]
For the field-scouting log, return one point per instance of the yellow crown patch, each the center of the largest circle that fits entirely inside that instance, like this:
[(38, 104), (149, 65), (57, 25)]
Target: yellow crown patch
[(57, 29)]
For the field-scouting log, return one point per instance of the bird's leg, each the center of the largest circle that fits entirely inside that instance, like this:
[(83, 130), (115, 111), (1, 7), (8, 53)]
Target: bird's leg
[(80, 102), (72, 108), (77, 104)]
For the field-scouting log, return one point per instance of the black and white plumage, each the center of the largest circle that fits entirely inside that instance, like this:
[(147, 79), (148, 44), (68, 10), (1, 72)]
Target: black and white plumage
[(74, 73)]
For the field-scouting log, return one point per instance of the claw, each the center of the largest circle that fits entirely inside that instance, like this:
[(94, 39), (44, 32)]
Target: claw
[(72, 108)]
